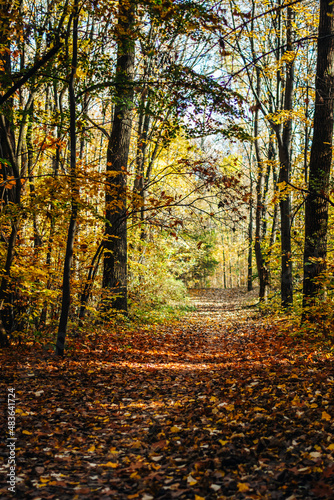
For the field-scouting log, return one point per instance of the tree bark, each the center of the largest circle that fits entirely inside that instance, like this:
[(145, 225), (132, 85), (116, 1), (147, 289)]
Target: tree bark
[(259, 210), (140, 181), (284, 149), (250, 240), (316, 205), (66, 296), (87, 289), (115, 255), (8, 168), (275, 216)]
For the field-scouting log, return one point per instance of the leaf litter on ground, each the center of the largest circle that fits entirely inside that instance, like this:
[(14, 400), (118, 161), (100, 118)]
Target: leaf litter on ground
[(221, 404)]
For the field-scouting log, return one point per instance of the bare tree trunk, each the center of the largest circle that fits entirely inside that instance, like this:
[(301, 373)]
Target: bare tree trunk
[(9, 168), (30, 153), (316, 206), (142, 142), (66, 297), (259, 211), (224, 270), (275, 217), (115, 256), (250, 240), (284, 148), (90, 282)]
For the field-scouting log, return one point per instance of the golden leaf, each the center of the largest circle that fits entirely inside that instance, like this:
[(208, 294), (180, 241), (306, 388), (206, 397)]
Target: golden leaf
[(242, 487), (114, 465)]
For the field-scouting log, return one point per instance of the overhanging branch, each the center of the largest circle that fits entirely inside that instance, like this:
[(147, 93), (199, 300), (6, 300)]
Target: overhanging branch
[(30, 73)]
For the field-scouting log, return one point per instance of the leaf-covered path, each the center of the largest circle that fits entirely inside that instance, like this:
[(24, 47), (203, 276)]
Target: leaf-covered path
[(217, 405)]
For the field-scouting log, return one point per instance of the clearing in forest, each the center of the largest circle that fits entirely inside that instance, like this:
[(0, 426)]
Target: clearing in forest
[(220, 404)]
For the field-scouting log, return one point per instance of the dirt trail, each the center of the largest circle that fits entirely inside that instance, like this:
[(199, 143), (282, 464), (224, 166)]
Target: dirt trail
[(222, 307), (216, 300), (217, 405)]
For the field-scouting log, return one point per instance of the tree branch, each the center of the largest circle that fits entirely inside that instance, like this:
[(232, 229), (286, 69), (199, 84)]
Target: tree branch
[(31, 72)]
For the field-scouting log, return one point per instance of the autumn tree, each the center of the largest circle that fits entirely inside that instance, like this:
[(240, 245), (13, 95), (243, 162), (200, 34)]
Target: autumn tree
[(115, 255), (66, 295), (168, 87), (10, 167), (270, 52), (316, 204), (19, 83)]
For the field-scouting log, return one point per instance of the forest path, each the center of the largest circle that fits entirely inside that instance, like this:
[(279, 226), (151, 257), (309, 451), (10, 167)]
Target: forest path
[(217, 300), (219, 309), (218, 405)]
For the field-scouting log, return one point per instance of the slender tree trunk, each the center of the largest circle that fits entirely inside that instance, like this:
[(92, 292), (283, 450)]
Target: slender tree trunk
[(142, 143), (259, 211), (266, 177), (224, 270), (115, 256), (316, 206), (250, 241), (7, 146), (306, 140), (138, 184), (66, 297), (275, 217), (30, 157), (90, 282), (284, 148), (9, 168), (56, 158)]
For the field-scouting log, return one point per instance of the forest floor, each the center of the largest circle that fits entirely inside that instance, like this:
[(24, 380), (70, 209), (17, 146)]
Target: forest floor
[(222, 404)]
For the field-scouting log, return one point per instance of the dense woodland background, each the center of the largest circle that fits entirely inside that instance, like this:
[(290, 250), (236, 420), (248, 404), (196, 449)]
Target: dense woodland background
[(150, 147)]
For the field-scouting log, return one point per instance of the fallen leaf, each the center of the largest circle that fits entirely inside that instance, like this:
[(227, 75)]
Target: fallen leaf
[(191, 481), (243, 487), (325, 416)]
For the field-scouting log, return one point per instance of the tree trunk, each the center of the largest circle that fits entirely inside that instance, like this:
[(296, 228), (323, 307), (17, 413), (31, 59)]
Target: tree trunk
[(142, 142), (316, 206), (55, 167), (8, 168), (10, 196), (115, 256), (259, 211), (250, 241), (66, 297), (224, 270), (275, 216), (87, 289), (284, 148)]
